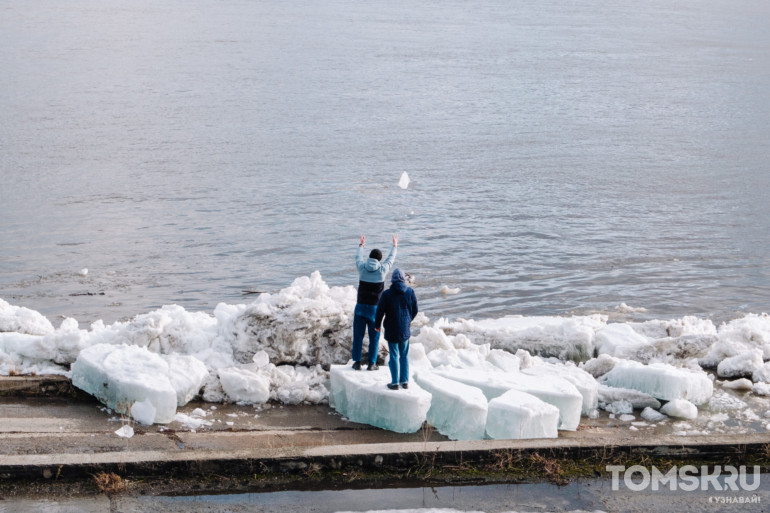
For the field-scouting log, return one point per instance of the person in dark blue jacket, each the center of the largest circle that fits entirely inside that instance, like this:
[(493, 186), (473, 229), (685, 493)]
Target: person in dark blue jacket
[(398, 307)]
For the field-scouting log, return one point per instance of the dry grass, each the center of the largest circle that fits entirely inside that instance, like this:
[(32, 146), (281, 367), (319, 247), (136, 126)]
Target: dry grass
[(109, 482)]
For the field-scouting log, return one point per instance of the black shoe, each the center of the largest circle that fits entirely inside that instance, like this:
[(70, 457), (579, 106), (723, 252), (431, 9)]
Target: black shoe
[(356, 365), (392, 386), (404, 385), (372, 366)]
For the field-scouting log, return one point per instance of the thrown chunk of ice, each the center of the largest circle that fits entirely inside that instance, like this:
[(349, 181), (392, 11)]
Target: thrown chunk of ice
[(680, 408), (518, 415), (553, 390), (120, 376), (457, 410), (403, 182), (362, 396), (661, 381)]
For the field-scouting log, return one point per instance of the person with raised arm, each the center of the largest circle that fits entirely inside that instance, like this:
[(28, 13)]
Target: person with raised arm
[(371, 276)]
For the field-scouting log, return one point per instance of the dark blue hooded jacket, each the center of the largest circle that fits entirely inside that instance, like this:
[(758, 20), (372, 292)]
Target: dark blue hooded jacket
[(398, 305)]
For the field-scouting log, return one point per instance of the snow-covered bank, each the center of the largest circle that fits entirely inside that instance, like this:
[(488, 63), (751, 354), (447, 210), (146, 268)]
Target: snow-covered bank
[(281, 346)]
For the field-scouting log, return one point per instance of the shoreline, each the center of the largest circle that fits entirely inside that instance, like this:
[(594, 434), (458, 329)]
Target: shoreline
[(60, 442)]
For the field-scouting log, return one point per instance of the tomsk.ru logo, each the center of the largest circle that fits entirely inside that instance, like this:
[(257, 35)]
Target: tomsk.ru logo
[(687, 478)]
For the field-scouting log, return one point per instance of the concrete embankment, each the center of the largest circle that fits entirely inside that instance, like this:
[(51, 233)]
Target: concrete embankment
[(49, 432)]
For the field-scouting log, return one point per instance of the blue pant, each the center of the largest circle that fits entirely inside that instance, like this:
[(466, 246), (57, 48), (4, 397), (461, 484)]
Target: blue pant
[(398, 362), (363, 319)]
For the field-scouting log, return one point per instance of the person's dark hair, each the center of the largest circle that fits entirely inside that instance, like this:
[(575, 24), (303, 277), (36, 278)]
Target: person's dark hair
[(376, 253)]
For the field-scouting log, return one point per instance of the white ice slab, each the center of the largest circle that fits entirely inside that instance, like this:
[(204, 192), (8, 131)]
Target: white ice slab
[(120, 375), (457, 410), (518, 415), (551, 389), (583, 381), (362, 396), (661, 381)]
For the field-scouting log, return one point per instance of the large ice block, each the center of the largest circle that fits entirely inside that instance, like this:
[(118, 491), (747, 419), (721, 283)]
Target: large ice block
[(120, 375), (517, 415), (362, 396), (583, 381), (661, 381), (457, 410), (551, 389)]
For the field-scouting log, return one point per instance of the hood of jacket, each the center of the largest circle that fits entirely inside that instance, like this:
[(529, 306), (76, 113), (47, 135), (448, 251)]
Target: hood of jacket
[(398, 281), (372, 264)]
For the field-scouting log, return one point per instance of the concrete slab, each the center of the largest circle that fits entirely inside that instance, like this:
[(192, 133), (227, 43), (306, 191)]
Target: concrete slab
[(51, 437)]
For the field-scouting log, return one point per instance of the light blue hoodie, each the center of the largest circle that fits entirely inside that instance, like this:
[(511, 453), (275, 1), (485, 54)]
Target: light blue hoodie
[(372, 270)]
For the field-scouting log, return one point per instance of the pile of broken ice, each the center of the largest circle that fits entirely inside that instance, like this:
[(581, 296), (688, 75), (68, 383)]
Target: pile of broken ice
[(513, 377)]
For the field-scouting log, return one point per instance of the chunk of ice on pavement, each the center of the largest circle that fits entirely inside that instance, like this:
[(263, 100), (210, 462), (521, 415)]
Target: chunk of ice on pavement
[(583, 381), (741, 365), (125, 431), (187, 375), (680, 408), (457, 410), (552, 389), (661, 381), (518, 415), (619, 340), (143, 412), (638, 400), (244, 386), (652, 415), (761, 388), (362, 396), (120, 375)]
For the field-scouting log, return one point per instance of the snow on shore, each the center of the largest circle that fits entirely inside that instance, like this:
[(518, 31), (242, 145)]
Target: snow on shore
[(281, 346)]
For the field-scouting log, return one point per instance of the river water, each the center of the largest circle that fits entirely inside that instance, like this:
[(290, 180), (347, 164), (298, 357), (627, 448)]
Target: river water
[(565, 157)]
